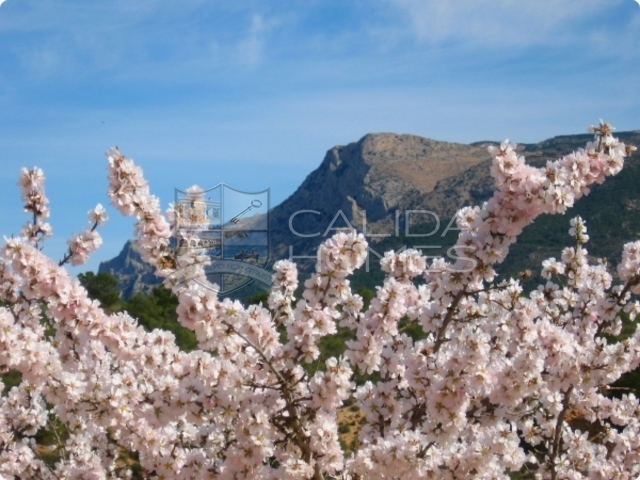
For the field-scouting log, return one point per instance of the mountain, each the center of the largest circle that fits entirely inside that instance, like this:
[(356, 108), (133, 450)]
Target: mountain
[(365, 183), (133, 274), (387, 184)]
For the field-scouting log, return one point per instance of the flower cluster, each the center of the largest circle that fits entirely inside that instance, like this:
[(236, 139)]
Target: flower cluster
[(495, 381), (31, 183), (83, 245), (129, 193)]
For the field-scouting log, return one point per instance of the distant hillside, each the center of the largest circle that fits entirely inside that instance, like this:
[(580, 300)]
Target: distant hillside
[(382, 174)]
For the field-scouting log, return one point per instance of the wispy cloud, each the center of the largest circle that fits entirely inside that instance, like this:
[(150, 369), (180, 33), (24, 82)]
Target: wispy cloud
[(503, 23), (250, 48)]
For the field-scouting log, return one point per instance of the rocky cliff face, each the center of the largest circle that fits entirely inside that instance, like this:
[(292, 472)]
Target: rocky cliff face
[(365, 184), (133, 274)]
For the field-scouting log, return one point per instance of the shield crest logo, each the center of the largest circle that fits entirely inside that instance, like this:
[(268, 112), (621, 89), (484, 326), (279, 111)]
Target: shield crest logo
[(228, 230)]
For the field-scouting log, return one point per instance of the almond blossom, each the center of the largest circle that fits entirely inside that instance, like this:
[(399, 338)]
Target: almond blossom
[(500, 380)]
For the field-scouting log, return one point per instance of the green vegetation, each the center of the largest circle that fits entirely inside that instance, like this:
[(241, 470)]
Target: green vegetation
[(102, 287), (158, 310), (10, 379)]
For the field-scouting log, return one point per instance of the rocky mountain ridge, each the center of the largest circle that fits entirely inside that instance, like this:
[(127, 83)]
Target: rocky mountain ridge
[(371, 185)]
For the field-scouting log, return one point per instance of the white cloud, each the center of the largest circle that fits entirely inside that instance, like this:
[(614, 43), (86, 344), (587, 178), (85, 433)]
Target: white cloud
[(146, 40), (250, 48), (498, 22)]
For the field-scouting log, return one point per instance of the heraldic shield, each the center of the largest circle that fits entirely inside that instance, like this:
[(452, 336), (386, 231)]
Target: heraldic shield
[(225, 230)]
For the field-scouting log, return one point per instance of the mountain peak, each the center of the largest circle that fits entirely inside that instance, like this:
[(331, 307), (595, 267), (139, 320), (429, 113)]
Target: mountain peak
[(368, 181), (391, 165)]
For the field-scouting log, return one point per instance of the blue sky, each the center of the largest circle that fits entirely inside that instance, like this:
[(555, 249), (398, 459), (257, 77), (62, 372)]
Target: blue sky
[(253, 93)]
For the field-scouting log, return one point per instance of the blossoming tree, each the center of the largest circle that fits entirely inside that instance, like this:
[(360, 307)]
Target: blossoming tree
[(496, 385)]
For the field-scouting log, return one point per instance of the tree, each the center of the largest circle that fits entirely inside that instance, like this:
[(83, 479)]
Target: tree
[(498, 381), (102, 287), (158, 310)]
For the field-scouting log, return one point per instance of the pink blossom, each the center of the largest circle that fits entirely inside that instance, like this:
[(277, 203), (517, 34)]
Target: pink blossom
[(490, 385)]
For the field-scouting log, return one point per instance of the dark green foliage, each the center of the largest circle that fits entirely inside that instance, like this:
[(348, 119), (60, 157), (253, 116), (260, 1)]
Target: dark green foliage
[(367, 295), (10, 379), (151, 310), (330, 346), (361, 377), (412, 328), (627, 384), (158, 310), (102, 287), (132, 460), (522, 475), (258, 298)]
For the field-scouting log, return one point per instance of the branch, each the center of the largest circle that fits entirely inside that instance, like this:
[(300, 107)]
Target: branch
[(301, 439), (69, 254), (558, 434), (447, 320)]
